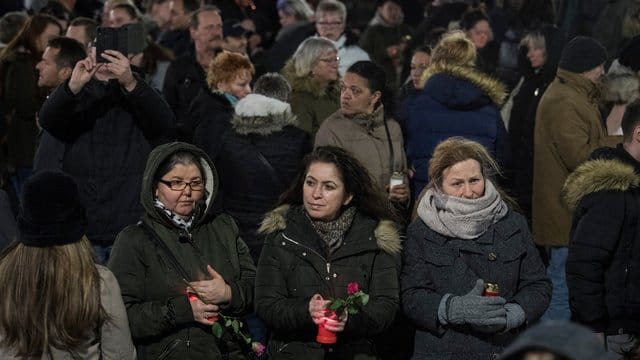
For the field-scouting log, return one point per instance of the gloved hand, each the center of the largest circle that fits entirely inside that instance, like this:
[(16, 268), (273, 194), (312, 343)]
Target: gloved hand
[(473, 309), (515, 316)]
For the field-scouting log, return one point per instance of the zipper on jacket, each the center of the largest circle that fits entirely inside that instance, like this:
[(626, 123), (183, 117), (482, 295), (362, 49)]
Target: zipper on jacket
[(310, 249)]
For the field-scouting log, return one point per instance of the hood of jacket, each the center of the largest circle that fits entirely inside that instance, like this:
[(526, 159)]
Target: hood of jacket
[(156, 158), (621, 85), (307, 83), (605, 173), (387, 235), (262, 115), (462, 87), (554, 43)]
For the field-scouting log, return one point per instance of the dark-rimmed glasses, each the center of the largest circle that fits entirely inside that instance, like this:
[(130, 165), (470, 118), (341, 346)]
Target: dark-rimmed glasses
[(179, 185)]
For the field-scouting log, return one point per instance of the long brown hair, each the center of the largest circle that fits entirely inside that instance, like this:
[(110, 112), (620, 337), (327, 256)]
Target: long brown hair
[(50, 297), (28, 36)]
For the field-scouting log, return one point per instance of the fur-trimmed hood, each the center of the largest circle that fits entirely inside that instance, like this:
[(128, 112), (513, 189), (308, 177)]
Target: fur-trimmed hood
[(598, 175), (387, 235), (307, 83), (490, 87), (622, 85), (262, 115)]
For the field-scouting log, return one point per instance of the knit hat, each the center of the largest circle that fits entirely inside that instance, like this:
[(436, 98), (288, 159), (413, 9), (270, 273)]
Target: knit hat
[(51, 212), (582, 54), (630, 55), (569, 340)]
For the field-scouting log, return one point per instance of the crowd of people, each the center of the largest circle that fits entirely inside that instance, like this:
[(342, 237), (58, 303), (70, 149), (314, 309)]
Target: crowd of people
[(322, 179)]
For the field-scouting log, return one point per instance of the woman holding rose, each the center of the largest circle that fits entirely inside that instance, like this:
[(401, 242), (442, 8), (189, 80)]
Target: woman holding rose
[(332, 232)]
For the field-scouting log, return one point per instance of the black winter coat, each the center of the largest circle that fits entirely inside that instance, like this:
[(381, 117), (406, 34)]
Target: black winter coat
[(435, 265), (523, 115), (251, 187), (293, 267), (210, 115), (603, 265), (182, 83), (108, 134)]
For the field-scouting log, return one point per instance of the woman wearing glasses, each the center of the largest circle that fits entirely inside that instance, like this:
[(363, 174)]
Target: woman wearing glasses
[(181, 265), (313, 74)]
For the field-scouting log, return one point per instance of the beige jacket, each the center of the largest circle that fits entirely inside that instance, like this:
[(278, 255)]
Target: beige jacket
[(365, 137), (568, 128), (112, 340)]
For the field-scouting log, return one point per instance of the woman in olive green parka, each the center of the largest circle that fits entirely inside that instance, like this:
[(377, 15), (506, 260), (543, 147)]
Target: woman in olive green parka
[(182, 265)]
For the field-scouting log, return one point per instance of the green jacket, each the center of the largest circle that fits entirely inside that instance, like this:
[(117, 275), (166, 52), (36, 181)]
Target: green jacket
[(154, 291), (310, 102), (293, 267)]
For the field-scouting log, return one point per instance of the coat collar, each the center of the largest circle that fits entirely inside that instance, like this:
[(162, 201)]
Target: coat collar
[(258, 114), (599, 175), (492, 87), (386, 233), (578, 82)]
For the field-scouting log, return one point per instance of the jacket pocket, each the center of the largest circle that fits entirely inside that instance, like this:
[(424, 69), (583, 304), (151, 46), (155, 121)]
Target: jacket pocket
[(295, 350), (438, 259)]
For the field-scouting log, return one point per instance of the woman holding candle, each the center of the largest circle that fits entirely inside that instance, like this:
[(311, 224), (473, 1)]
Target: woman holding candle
[(467, 236), (333, 228)]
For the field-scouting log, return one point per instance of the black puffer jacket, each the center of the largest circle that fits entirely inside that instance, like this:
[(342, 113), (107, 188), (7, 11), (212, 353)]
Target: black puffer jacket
[(263, 129), (603, 272), (108, 134), (292, 268)]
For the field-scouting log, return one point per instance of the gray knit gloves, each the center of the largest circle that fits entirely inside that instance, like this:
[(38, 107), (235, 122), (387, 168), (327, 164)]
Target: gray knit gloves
[(488, 314)]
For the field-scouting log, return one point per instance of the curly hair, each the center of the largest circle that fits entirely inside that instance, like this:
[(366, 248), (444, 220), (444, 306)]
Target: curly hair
[(226, 66)]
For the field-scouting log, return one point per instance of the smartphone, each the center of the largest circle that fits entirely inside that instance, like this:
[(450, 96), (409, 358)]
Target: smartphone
[(127, 39)]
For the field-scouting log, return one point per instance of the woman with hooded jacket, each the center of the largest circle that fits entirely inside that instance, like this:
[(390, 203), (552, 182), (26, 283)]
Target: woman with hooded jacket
[(182, 265), (457, 100), (333, 227)]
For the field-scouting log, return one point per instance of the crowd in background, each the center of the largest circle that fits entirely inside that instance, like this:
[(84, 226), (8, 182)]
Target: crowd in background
[(252, 159)]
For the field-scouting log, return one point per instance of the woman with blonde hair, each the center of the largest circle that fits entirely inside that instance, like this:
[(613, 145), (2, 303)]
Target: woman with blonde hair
[(312, 72), (56, 303), (229, 80), (472, 277), (456, 100)]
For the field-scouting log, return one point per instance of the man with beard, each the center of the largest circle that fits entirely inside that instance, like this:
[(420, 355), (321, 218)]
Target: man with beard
[(187, 74), (568, 128)]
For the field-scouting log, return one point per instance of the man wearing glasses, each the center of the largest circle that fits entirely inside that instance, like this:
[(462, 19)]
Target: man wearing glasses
[(331, 18)]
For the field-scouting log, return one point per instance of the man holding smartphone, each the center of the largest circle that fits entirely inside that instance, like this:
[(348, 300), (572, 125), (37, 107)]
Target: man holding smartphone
[(109, 119)]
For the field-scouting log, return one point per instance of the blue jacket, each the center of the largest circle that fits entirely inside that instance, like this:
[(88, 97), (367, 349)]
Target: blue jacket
[(455, 101)]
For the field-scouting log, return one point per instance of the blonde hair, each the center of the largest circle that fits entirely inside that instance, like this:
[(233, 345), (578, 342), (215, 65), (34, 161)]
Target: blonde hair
[(226, 66), (454, 150), (454, 48), (308, 54), (50, 297)]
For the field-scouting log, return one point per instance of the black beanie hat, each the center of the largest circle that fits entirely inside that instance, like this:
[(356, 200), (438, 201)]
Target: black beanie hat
[(582, 54), (51, 212), (630, 55)]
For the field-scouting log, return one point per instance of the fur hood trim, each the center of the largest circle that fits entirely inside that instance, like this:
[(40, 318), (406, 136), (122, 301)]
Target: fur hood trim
[(622, 85), (258, 114), (387, 235), (492, 87), (307, 83), (598, 175)]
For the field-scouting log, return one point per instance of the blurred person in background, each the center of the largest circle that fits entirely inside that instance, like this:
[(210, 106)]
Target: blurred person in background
[(20, 94), (83, 30), (475, 24), (293, 15)]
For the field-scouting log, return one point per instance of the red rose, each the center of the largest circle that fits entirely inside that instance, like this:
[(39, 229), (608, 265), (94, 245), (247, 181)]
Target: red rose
[(352, 288)]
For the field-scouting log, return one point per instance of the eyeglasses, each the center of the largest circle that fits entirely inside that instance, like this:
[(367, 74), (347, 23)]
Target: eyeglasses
[(331, 60), (179, 185), (329, 23)]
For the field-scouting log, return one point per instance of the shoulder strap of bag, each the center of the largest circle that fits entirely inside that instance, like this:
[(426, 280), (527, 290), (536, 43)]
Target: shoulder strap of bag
[(272, 172), (391, 155), (162, 245)]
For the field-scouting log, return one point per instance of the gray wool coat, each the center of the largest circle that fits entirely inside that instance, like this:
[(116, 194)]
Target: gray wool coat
[(434, 265)]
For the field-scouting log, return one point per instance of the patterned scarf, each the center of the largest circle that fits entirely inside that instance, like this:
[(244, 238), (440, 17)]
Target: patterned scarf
[(175, 219), (459, 217), (332, 232)]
